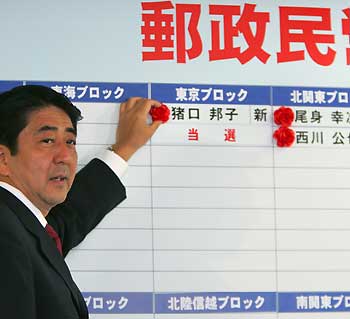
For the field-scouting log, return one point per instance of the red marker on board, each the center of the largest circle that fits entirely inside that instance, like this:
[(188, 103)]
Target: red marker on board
[(160, 113)]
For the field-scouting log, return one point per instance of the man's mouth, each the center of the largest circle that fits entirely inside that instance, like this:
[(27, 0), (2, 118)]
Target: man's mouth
[(58, 178)]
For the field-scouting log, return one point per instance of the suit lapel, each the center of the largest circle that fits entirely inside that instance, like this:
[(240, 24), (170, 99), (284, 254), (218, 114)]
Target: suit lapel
[(48, 248)]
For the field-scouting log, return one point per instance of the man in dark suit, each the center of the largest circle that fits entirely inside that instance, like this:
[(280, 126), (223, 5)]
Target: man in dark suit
[(45, 210)]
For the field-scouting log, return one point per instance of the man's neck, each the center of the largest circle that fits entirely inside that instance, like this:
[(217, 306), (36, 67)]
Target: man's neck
[(20, 196)]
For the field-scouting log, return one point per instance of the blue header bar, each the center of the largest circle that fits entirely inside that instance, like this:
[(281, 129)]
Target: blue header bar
[(211, 94), (8, 85), (311, 96), (196, 93), (122, 303), (314, 301), (216, 302), (97, 91)]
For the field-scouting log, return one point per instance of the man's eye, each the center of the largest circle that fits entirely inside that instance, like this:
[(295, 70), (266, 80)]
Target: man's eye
[(71, 142), (48, 140)]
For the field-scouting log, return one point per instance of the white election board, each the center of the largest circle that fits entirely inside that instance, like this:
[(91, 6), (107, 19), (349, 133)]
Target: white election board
[(219, 222), (218, 219)]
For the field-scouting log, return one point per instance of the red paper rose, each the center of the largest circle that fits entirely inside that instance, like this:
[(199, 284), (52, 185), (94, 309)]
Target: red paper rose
[(284, 136), (160, 113), (283, 116)]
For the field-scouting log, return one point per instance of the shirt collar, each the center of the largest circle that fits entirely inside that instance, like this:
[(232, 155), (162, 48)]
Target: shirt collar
[(16, 192)]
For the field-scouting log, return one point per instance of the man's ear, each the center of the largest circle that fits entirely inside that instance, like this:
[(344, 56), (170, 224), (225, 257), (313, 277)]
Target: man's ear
[(4, 159)]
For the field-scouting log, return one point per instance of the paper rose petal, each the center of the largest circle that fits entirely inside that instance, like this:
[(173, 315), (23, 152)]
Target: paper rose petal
[(283, 116), (160, 113), (284, 136)]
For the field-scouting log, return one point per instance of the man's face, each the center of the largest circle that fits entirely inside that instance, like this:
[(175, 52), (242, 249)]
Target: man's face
[(46, 161)]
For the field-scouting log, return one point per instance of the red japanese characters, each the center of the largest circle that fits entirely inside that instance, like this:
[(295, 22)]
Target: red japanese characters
[(284, 136), (309, 34), (239, 32), (284, 117), (160, 113)]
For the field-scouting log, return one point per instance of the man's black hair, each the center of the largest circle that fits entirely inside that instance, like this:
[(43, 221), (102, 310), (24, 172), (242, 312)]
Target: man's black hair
[(18, 103)]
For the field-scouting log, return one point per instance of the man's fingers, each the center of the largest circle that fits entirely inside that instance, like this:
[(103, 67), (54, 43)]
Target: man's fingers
[(131, 102), (122, 107), (148, 104), (139, 104), (154, 126)]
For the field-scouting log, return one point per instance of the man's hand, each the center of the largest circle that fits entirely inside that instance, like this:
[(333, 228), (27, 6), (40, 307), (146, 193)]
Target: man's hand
[(133, 130)]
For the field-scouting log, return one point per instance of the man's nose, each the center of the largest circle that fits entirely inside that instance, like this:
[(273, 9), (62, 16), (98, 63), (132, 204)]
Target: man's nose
[(63, 153)]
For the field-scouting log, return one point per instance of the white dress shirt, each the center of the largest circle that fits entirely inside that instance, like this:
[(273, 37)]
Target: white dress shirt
[(114, 161)]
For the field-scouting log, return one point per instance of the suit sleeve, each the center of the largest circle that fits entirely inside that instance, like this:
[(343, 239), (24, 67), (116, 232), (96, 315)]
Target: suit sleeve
[(95, 192), (17, 296)]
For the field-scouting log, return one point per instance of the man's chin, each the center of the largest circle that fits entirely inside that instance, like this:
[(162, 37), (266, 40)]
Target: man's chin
[(52, 201)]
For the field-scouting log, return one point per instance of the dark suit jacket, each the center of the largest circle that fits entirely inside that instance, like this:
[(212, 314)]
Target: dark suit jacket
[(35, 282)]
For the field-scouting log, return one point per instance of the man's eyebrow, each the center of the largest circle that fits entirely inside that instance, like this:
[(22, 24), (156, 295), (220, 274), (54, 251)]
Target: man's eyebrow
[(71, 130), (46, 128)]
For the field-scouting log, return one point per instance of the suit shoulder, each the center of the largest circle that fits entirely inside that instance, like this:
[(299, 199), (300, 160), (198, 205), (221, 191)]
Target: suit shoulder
[(11, 228)]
